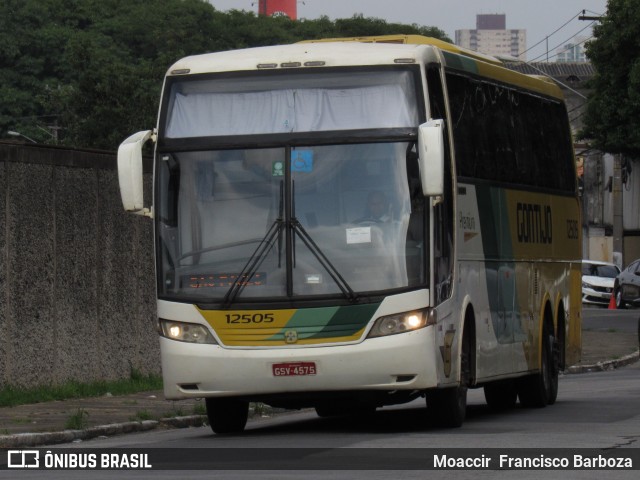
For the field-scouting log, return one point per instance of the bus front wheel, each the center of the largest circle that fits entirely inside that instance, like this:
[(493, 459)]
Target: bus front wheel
[(227, 415), (447, 407)]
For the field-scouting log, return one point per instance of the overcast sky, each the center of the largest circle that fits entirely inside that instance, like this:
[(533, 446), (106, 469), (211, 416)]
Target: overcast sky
[(540, 18)]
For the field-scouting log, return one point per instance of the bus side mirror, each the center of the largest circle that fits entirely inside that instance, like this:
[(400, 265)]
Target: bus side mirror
[(130, 173), (431, 157)]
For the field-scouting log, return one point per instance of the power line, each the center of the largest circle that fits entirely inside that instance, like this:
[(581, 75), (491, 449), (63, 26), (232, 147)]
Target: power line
[(565, 49), (552, 34), (581, 15), (563, 42), (577, 107), (576, 118)]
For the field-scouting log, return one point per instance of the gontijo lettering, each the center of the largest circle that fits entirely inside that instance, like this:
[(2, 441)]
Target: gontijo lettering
[(534, 223)]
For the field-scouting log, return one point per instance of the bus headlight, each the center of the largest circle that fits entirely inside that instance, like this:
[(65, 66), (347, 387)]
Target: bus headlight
[(185, 332), (401, 322)]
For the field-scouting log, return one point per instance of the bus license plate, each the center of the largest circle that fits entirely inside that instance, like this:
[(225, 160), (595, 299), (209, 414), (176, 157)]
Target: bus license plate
[(294, 369)]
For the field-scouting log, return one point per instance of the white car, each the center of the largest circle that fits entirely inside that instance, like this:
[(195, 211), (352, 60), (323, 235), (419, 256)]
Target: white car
[(597, 281)]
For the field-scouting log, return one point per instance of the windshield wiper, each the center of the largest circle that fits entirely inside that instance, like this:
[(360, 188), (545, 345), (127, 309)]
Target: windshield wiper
[(333, 272), (275, 233), (324, 261), (258, 256)]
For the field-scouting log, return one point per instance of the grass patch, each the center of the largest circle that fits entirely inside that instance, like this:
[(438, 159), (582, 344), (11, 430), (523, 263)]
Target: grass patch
[(174, 412), (199, 409), (259, 409), (137, 382), (21, 421), (143, 415), (77, 421)]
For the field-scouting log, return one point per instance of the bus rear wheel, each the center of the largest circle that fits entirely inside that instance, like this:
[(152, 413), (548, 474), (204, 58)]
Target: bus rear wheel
[(227, 415), (541, 389)]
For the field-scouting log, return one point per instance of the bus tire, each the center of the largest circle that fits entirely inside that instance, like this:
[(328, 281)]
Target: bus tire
[(541, 389), (447, 407), (227, 415), (501, 395), (555, 369)]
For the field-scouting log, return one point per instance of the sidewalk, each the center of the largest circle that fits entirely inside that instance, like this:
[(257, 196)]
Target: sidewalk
[(45, 423)]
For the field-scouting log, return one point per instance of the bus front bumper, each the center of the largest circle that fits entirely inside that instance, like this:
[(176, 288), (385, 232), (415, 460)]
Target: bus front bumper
[(396, 362)]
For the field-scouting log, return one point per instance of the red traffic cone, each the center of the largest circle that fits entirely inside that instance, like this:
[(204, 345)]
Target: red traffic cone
[(612, 302)]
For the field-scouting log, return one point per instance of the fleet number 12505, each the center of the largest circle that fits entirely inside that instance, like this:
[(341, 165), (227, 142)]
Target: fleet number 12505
[(250, 317)]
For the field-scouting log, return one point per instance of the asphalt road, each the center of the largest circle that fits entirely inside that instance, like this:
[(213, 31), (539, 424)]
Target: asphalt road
[(594, 410), (603, 319), (598, 410)]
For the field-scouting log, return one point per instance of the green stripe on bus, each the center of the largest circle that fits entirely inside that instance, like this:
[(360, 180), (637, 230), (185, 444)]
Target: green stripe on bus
[(459, 62), (498, 250), (329, 322), (348, 321)]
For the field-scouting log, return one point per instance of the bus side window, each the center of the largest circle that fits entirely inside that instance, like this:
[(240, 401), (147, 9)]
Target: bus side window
[(415, 251), (443, 234)]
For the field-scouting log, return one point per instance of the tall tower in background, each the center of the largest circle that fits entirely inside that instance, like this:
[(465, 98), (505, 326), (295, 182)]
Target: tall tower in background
[(279, 7), (492, 37)]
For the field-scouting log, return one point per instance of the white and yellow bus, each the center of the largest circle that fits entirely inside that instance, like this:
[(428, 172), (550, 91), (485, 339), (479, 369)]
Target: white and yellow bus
[(349, 224)]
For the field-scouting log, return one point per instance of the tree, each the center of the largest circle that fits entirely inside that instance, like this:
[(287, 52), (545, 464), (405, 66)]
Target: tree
[(612, 121), (89, 72), (358, 25)]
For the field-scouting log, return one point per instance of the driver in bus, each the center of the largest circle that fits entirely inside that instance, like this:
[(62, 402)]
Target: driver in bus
[(377, 210)]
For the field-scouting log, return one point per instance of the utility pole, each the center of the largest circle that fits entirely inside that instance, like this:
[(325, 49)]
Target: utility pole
[(588, 17), (616, 190), (618, 226), (547, 39)]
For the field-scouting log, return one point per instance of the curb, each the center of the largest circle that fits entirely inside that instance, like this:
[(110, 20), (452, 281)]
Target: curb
[(606, 365), (71, 436)]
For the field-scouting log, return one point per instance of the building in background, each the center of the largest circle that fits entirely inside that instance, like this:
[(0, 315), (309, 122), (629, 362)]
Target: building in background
[(287, 8), (492, 37), (573, 52)]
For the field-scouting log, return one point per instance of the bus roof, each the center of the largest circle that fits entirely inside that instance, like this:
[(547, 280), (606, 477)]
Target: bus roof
[(463, 59), (414, 40), (296, 55), (360, 51)]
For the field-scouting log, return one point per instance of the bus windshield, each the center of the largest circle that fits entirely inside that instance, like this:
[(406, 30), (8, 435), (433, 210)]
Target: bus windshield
[(278, 223), (277, 102)]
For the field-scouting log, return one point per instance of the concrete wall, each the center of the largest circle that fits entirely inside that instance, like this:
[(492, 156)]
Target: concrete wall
[(598, 208), (77, 288)]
